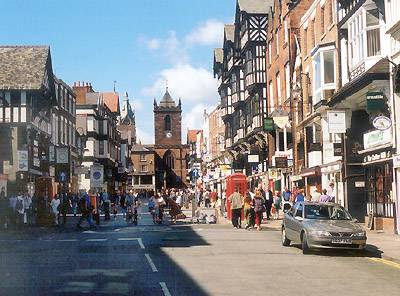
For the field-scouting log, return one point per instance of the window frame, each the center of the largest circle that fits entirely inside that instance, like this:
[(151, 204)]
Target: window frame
[(323, 86)]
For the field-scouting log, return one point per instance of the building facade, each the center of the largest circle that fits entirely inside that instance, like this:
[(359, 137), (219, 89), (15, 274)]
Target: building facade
[(143, 173), (171, 156)]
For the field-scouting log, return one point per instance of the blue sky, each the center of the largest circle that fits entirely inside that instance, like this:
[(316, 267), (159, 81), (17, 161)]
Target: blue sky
[(140, 44)]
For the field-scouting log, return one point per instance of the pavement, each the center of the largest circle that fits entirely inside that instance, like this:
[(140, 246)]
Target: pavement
[(183, 259)]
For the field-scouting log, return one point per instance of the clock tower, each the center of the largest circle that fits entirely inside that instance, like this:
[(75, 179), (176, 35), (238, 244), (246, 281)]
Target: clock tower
[(167, 121), (170, 154)]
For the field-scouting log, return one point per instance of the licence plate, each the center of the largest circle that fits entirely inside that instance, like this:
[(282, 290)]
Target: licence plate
[(342, 241)]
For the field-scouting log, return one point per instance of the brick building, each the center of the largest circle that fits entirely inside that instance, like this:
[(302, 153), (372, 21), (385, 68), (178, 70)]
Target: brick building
[(171, 156)]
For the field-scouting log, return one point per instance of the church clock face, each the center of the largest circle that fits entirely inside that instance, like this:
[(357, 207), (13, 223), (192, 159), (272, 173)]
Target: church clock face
[(168, 135)]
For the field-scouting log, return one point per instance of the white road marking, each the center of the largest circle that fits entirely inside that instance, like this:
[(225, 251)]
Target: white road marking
[(89, 231), (151, 263), (67, 240), (117, 229), (140, 241), (96, 240), (165, 289)]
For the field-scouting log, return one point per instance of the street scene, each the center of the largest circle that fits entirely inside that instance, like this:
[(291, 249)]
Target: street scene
[(230, 147)]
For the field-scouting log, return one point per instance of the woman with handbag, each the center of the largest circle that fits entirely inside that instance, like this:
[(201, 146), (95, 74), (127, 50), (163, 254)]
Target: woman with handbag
[(259, 208)]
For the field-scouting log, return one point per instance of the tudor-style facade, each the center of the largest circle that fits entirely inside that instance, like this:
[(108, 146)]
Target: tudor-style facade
[(242, 75), (27, 96)]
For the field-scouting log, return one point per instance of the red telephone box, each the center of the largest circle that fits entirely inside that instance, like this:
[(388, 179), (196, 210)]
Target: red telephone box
[(233, 181)]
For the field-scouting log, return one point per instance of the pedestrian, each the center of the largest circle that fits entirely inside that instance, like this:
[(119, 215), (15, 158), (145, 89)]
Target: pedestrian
[(152, 204), (27, 207), (122, 204), (332, 192), (55, 206), (247, 203), (277, 204), (105, 200), (179, 199), (324, 197), (300, 196), (74, 203), (65, 206), (161, 204), (269, 200), (86, 208), (286, 195), (12, 214), (315, 195), (223, 203), (3, 209), (207, 200), (236, 202), (259, 208)]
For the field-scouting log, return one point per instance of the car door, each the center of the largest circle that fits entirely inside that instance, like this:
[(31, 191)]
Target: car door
[(289, 222), (298, 222)]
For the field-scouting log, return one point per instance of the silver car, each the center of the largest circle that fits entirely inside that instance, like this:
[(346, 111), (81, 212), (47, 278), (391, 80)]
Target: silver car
[(322, 225)]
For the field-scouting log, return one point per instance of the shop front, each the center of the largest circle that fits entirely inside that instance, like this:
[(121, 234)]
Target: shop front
[(312, 180)]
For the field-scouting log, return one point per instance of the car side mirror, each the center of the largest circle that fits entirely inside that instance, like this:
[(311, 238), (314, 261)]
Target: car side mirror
[(355, 220)]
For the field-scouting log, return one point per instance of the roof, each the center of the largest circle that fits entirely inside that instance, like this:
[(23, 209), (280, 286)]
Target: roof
[(167, 100), (141, 148), (255, 6), (229, 31), (23, 67), (92, 98), (111, 99), (192, 136), (218, 55)]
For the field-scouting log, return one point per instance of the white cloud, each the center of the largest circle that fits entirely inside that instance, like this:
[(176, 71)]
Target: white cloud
[(153, 44), (137, 105), (207, 33), (187, 82)]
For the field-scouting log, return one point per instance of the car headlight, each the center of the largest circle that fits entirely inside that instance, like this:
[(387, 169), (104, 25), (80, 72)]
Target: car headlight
[(359, 234), (320, 233)]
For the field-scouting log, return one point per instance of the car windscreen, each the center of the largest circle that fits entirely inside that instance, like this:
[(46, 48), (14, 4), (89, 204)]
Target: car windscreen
[(326, 212)]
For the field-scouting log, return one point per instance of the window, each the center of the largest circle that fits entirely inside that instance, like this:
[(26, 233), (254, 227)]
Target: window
[(142, 157), (312, 33), (23, 98), (101, 147), (305, 40), (364, 36), (269, 52), (299, 212), (287, 81), (286, 31), (167, 123), (271, 97), (324, 73), (323, 19), (233, 83), (169, 160), (143, 168), (329, 13), (278, 89), (249, 62)]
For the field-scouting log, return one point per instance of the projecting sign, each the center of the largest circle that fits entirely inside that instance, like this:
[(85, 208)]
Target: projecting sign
[(253, 158), (337, 122), (396, 161), (382, 122), (22, 160), (96, 176), (62, 155), (272, 173), (281, 162)]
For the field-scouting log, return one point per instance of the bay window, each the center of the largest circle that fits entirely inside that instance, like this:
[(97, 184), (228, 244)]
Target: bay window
[(324, 73), (364, 35), (233, 83), (249, 62)]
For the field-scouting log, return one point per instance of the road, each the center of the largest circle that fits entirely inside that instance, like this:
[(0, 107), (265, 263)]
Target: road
[(181, 259)]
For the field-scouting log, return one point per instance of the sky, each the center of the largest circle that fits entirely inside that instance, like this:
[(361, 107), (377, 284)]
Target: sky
[(139, 44)]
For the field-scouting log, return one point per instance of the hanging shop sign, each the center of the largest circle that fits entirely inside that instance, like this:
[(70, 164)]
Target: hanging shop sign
[(382, 122), (336, 122), (52, 153), (375, 101), (273, 173), (281, 121), (253, 158), (396, 161), (96, 176), (23, 161), (377, 138), (337, 149), (281, 162), (62, 155), (268, 124)]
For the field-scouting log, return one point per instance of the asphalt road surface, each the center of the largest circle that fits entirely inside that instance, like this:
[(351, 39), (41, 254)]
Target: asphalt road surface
[(120, 259)]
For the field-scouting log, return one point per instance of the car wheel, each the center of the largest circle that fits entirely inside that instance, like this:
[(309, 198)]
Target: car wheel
[(285, 240), (304, 244)]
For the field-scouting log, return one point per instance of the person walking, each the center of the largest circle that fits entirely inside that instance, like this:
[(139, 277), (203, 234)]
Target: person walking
[(247, 203), (65, 205), (105, 199), (277, 204), (324, 197), (74, 203), (300, 196), (153, 207), (55, 208), (86, 209), (259, 208), (27, 207), (236, 201), (332, 192), (269, 200), (3, 209), (207, 198)]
